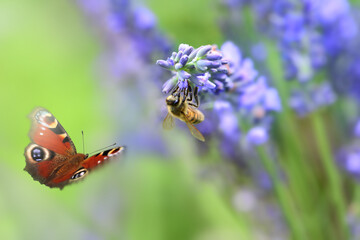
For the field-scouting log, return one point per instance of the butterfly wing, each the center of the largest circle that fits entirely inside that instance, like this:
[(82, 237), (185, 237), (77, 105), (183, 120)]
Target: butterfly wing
[(45, 165), (47, 132), (51, 148), (55, 170), (79, 166), (51, 158), (101, 157)]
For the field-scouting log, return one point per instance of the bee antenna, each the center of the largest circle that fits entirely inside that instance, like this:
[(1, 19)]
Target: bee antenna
[(103, 148)]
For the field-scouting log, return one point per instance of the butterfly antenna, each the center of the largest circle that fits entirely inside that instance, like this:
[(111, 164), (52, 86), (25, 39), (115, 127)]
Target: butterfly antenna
[(82, 133), (103, 148)]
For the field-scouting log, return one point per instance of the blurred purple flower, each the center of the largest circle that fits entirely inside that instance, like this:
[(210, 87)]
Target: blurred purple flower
[(232, 53), (357, 129), (312, 98), (127, 29), (349, 159), (144, 19), (272, 101), (131, 43), (228, 121), (257, 135), (323, 95), (259, 51), (352, 163)]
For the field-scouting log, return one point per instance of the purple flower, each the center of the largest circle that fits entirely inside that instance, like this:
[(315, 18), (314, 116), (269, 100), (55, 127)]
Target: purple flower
[(231, 53), (144, 19), (328, 11), (259, 51), (127, 29), (272, 101), (258, 93), (230, 83), (253, 93), (299, 103), (349, 159), (228, 122), (241, 70), (315, 96), (323, 95), (257, 135), (352, 163), (357, 129), (246, 72), (292, 27), (202, 67)]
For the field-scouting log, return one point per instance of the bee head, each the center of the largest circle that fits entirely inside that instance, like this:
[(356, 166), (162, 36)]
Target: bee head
[(172, 100)]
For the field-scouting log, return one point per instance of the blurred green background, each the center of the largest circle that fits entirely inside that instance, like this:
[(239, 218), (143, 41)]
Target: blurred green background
[(47, 58)]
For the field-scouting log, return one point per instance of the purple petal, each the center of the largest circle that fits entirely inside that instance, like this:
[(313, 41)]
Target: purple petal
[(357, 129), (169, 84), (232, 53), (203, 50), (353, 162), (272, 100), (257, 136), (144, 18)]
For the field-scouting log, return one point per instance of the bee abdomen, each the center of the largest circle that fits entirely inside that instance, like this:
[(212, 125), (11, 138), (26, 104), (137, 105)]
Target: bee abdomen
[(194, 116)]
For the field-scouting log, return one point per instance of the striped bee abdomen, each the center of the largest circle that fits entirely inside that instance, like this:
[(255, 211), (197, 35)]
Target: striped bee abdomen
[(194, 116)]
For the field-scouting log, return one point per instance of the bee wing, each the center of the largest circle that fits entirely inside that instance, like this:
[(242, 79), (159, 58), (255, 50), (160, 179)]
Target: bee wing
[(194, 131), (168, 122)]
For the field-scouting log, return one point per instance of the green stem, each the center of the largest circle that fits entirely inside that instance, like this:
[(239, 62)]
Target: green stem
[(301, 177), (283, 196), (334, 180)]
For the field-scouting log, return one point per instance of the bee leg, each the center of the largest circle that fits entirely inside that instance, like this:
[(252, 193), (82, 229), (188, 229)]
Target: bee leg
[(183, 99), (190, 95), (195, 95), (186, 92), (197, 103), (175, 90)]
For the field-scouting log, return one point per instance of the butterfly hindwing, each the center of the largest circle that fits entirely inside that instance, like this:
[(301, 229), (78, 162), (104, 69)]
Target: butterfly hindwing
[(44, 164)]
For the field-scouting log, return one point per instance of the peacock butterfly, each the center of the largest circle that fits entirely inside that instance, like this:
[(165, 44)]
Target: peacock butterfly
[(51, 157)]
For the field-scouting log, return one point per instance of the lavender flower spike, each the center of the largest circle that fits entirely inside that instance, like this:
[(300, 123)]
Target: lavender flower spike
[(202, 67)]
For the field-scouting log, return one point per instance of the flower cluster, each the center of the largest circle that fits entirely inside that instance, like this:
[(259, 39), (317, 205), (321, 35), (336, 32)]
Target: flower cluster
[(131, 41), (312, 36), (202, 67), (249, 95), (312, 98), (230, 83), (131, 35)]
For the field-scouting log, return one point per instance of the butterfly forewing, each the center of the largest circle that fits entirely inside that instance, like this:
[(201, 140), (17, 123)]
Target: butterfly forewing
[(101, 157), (47, 132)]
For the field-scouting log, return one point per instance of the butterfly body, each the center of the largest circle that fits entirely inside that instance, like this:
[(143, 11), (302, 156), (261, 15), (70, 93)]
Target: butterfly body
[(51, 157)]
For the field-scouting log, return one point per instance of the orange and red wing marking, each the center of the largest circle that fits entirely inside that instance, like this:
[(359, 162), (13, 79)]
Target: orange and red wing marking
[(101, 157)]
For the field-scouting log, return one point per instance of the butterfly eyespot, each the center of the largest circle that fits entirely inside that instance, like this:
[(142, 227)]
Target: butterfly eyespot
[(37, 154), (79, 174)]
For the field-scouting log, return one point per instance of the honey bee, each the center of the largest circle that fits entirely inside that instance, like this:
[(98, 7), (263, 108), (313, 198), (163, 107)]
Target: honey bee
[(179, 107)]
